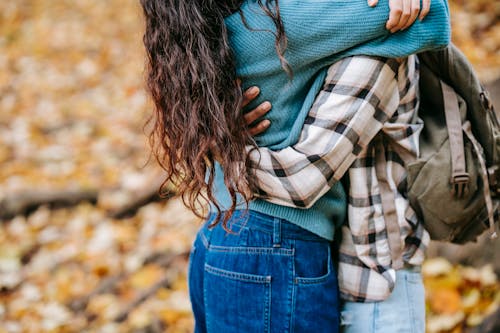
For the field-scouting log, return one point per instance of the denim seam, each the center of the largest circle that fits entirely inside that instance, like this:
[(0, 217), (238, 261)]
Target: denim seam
[(238, 276), (250, 250), (204, 240), (190, 260), (292, 293), (375, 316), (316, 280), (284, 233), (410, 301), (277, 232), (312, 281), (267, 309), (207, 322)]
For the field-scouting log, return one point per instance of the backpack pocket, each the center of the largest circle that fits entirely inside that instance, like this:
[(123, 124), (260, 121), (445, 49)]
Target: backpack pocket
[(430, 191)]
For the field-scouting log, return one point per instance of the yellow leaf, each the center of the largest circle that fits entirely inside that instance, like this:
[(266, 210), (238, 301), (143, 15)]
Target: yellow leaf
[(471, 299), (146, 276), (105, 306), (436, 267), (443, 323), (474, 319), (171, 316), (140, 318), (445, 301)]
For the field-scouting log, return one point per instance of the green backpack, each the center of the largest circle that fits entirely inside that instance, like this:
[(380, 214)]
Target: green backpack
[(455, 184)]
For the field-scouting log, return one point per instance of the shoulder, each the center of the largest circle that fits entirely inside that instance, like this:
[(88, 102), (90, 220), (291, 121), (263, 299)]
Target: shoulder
[(369, 68)]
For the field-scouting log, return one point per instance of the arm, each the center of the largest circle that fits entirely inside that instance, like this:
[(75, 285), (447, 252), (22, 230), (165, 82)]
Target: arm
[(346, 18), (359, 95), (322, 29)]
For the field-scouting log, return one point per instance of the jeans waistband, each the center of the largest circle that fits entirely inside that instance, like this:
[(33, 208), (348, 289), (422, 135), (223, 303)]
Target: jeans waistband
[(278, 227)]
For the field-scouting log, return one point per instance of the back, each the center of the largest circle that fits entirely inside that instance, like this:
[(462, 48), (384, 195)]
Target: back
[(319, 33)]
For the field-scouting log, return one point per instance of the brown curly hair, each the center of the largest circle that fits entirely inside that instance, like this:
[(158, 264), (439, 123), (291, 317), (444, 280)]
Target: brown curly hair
[(191, 77)]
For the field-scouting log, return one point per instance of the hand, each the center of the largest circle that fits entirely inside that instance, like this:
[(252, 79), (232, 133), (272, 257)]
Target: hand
[(250, 117), (404, 13)]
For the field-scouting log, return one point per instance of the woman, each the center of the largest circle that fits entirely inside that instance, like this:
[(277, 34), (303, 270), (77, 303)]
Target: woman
[(273, 270)]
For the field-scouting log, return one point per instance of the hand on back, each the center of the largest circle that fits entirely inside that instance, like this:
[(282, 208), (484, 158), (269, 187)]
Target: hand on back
[(404, 13), (253, 115)]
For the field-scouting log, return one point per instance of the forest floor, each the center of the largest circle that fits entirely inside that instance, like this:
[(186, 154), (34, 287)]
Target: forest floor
[(76, 254)]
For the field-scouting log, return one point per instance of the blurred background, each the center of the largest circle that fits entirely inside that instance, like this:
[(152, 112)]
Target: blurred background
[(85, 243)]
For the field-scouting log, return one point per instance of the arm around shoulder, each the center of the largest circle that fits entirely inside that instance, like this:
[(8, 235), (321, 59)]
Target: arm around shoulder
[(359, 95)]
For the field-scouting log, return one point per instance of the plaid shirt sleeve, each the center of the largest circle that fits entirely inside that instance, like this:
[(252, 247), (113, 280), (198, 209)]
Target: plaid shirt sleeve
[(362, 97), (359, 95)]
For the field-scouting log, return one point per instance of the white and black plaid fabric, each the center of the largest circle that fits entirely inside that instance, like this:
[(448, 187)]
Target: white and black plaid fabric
[(363, 98)]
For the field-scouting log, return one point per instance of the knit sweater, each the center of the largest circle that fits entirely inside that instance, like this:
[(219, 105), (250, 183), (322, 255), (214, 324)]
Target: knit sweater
[(319, 33)]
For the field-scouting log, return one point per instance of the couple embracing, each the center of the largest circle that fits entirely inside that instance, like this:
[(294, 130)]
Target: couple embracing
[(294, 120)]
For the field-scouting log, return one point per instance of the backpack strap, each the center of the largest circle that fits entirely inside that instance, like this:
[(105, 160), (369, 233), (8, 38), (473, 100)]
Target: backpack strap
[(388, 204), (484, 176), (459, 176)]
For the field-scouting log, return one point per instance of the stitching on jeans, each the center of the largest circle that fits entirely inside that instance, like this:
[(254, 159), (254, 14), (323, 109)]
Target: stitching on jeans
[(204, 240), (238, 276), (252, 250), (410, 302), (267, 309), (276, 232), (316, 280), (310, 281), (299, 234), (207, 322), (292, 292)]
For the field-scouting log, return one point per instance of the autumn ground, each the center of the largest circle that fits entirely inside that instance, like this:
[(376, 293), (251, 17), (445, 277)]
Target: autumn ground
[(72, 110)]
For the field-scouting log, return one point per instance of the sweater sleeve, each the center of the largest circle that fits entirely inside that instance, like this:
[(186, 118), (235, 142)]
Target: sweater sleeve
[(320, 33), (319, 29), (359, 95)]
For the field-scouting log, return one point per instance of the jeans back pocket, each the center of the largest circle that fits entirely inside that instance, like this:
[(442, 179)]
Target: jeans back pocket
[(236, 302), (316, 304)]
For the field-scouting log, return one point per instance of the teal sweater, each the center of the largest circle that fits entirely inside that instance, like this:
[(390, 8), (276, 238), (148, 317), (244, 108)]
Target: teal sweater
[(319, 33)]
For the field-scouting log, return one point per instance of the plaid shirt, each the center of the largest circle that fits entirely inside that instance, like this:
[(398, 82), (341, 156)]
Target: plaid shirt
[(362, 97)]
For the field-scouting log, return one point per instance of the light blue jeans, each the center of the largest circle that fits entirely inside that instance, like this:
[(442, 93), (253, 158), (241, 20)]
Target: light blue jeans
[(402, 312)]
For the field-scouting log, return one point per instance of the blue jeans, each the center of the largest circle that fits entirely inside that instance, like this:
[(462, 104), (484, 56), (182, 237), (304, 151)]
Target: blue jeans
[(267, 275), (402, 312)]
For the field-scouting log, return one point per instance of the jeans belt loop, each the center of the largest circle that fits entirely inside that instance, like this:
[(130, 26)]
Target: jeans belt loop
[(277, 232)]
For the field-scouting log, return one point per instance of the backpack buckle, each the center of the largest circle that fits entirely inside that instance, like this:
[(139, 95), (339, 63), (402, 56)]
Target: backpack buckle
[(485, 100), (494, 179), (460, 184)]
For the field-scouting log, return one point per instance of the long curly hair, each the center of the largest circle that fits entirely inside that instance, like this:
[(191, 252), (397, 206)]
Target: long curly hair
[(197, 119)]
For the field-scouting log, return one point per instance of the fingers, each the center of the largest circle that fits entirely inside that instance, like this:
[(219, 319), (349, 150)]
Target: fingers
[(403, 14), (250, 117), (414, 10), (396, 10), (259, 128), (257, 113), (249, 95), (426, 7)]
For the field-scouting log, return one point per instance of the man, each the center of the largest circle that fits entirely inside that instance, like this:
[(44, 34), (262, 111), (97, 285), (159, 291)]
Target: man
[(363, 125)]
